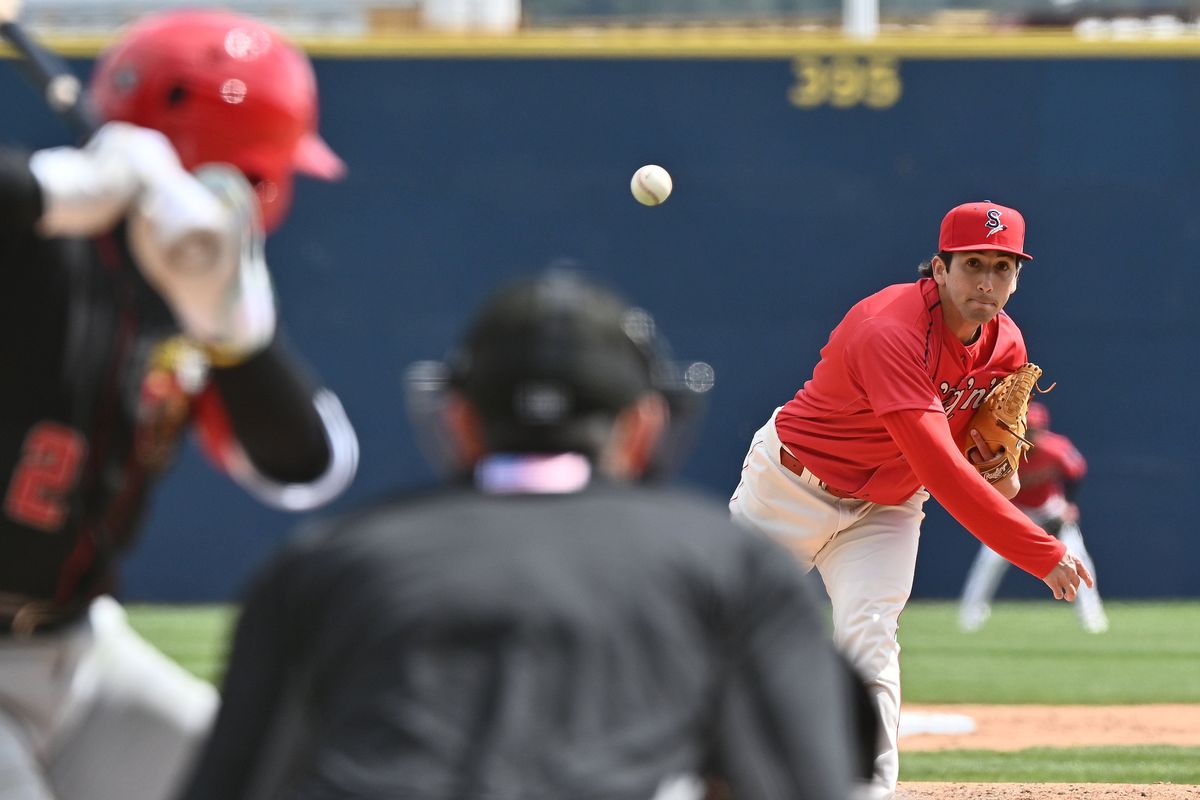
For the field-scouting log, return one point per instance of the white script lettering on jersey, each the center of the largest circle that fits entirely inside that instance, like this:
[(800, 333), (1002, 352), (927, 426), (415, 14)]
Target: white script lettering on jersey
[(964, 398)]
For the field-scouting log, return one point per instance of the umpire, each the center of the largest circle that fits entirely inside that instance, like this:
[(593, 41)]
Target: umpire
[(550, 627)]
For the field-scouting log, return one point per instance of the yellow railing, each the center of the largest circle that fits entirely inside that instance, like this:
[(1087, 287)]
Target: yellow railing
[(716, 43)]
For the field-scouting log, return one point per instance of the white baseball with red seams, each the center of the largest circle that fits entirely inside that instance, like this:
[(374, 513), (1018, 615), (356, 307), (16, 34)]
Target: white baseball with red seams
[(651, 185)]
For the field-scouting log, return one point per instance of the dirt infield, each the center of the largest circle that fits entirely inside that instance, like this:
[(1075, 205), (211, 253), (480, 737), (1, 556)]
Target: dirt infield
[(1017, 727)]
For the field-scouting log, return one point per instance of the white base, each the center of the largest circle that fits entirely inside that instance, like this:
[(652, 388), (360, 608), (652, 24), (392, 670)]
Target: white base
[(916, 722)]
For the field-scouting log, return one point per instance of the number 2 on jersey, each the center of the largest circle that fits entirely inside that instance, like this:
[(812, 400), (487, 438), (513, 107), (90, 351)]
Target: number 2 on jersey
[(51, 458)]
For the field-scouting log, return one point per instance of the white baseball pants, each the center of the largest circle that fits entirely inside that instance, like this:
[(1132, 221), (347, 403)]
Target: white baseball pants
[(93, 712), (866, 554)]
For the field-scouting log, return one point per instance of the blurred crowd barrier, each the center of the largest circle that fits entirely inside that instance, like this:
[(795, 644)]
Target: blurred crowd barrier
[(360, 18)]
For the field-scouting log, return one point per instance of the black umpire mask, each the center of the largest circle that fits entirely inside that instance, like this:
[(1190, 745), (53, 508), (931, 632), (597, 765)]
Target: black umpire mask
[(547, 361)]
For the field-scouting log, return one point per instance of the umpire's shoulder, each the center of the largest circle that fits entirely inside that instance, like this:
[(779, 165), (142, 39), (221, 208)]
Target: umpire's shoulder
[(329, 533), (682, 502), (752, 574), (692, 515)]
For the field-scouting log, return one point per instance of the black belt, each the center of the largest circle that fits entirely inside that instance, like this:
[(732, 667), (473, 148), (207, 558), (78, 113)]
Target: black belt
[(23, 615)]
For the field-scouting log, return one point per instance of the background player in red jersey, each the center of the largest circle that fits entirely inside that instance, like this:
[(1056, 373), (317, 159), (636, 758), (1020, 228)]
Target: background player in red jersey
[(840, 473), (137, 306), (1050, 480)]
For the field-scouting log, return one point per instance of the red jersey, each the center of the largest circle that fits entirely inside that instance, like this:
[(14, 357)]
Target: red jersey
[(1051, 461), (891, 352), (892, 394)]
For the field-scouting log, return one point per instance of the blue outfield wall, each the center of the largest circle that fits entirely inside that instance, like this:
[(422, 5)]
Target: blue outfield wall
[(801, 185)]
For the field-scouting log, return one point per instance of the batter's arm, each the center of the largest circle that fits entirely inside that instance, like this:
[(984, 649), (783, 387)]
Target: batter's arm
[(20, 195), (279, 434)]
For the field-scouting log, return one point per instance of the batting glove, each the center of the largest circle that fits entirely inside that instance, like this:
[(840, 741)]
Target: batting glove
[(199, 242), (87, 190)]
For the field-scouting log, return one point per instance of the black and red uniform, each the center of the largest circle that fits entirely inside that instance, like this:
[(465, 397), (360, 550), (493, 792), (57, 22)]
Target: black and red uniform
[(101, 388)]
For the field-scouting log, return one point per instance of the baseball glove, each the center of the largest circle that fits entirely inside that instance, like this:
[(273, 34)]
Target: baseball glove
[(1002, 423)]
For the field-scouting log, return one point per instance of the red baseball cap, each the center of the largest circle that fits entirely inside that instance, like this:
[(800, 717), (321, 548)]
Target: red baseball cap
[(983, 226)]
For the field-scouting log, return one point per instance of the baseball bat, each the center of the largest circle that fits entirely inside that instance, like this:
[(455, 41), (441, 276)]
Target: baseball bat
[(47, 73), (186, 242)]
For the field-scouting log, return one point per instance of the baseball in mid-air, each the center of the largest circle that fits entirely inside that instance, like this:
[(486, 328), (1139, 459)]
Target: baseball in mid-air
[(651, 185)]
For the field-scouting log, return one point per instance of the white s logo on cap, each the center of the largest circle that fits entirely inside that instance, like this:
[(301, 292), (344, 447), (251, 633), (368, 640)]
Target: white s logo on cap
[(993, 222)]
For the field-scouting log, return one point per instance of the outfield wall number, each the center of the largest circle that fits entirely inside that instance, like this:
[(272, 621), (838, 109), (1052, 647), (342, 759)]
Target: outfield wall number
[(845, 82)]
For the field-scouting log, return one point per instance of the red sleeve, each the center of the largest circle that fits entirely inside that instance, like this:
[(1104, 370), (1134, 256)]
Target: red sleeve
[(213, 429), (924, 439), (888, 362)]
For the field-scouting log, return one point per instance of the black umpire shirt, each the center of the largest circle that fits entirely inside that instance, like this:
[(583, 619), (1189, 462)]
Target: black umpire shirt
[(95, 404), (585, 645)]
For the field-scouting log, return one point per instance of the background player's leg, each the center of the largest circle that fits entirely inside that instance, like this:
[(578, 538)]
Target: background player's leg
[(868, 571), (983, 579), (145, 718), (1087, 603)]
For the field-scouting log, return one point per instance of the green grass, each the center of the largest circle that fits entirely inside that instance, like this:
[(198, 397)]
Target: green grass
[(1158, 764), (1029, 652), (1035, 652), (195, 636)]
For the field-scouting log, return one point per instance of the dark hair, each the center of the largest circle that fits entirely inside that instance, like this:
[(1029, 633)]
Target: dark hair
[(551, 361), (584, 435), (925, 268)]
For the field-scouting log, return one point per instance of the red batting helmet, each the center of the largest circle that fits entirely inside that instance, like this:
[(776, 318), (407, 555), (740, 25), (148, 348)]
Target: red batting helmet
[(222, 87), (1038, 416)]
